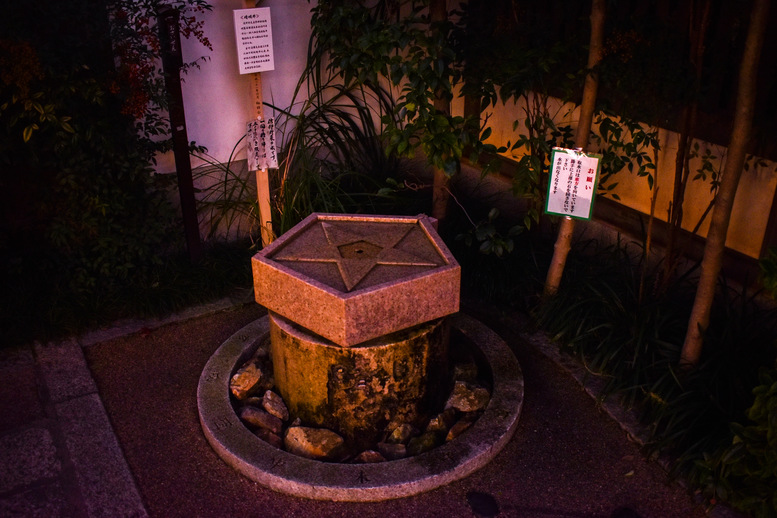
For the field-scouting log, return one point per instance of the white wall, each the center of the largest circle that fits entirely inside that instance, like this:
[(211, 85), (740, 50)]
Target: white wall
[(217, 99)]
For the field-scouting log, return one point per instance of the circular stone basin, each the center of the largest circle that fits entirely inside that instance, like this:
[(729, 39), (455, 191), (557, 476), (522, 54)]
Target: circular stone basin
[(299, 476)]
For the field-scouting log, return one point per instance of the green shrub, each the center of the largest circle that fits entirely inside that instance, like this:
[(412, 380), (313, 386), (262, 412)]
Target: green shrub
[(768, 265), (746, 471), (634, 344), (96, 222), (85, 222)]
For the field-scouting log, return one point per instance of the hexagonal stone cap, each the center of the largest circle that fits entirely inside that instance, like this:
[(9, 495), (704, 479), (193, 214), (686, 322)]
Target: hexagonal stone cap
[(352, 278)]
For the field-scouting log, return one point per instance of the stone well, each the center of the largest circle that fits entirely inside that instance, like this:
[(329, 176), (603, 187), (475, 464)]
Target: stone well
[(361, 391), (289, 473), (360, 314), (358, 330)]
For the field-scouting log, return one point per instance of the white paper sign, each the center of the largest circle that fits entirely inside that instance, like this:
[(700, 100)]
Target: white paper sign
[(253, 33), (261, 144), (572, 184)]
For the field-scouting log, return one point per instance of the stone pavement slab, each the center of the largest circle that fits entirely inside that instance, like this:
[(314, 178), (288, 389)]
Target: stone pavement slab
[(19, 400), (58, 453), (27, 456), (44, 501), (64, 370), (106, 484)]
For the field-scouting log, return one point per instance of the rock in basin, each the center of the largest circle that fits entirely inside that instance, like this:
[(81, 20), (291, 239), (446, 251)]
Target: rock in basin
[(313, 443)]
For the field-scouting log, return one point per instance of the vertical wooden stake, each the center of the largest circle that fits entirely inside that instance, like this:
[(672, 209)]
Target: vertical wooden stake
[(582, 134), (262, 176)]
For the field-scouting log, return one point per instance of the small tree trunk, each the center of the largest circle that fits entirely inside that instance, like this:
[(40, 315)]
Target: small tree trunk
[(440, 194), (438, 11), (721, 213), (649, 233), (697, 30), (566, 230)]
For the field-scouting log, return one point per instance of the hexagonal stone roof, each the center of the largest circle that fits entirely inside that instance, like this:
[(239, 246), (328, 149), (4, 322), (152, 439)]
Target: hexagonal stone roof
[(352, 278)]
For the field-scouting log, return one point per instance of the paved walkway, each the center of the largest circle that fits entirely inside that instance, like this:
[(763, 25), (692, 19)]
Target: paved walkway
[(58, 452), (105, 426), (59, 455)]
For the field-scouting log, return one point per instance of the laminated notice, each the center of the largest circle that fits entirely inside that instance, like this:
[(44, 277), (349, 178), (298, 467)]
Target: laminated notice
[(574, 176), (253, 35)]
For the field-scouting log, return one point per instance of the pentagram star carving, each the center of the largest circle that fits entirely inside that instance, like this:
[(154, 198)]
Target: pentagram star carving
[(357, 248)]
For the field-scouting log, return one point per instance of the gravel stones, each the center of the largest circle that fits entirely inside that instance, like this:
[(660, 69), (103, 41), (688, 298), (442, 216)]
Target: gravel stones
[(261, 419), (263, 411), (442, 422), (392, 451), (402, 434), (273, 404)]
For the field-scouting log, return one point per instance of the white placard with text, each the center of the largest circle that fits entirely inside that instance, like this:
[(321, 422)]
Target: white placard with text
[(253, 33)]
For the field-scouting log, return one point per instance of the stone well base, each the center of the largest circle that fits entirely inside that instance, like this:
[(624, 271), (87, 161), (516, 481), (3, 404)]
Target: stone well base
[(291, 474)]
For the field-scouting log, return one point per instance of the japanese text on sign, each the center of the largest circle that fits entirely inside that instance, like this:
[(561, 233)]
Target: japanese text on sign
[(253, 33), (261, 144), (572, 185)]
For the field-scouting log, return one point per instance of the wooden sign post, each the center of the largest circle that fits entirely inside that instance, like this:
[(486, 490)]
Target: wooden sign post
[(172, 61), (255, 54), (262, 175)]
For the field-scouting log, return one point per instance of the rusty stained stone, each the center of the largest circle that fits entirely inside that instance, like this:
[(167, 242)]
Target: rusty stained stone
[(354, 278), (361, 392), (423, 443), (274, 405), (392, 451), (369, 457), (460, 427), (442, 422), (402, 433)]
